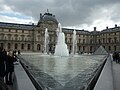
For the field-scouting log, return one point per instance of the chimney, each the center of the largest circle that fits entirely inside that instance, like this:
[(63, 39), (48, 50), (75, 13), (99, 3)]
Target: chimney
[(107, 27), (32, 24), (40, 15), (115, 25), (94, 28)]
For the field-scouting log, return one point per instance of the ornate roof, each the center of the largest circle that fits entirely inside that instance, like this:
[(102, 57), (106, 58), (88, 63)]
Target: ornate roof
[(47, 17)]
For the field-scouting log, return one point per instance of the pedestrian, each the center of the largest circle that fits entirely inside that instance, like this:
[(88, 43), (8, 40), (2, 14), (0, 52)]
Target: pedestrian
[(4, 51), (14, 53), (9, 68), (2, 65), (19, 52), (114, 56), (117, 57)]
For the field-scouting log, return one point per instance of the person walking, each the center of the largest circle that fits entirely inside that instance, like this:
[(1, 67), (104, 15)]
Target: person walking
[(4, 52), (117, 57), (114, 56), (2, 65), (9, 68)]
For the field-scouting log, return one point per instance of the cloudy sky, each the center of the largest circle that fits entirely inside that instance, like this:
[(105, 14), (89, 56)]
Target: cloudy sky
[(80, 14)]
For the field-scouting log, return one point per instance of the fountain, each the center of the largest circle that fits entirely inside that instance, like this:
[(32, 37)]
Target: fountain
[(74, 46), (46, 41), (62, 73), (61, 47)]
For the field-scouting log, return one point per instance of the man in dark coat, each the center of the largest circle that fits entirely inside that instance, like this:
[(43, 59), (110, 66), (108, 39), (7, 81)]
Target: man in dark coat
[(9, 68), (2, 64)]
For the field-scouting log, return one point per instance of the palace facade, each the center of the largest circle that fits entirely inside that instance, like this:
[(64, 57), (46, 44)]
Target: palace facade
[(27, 38)]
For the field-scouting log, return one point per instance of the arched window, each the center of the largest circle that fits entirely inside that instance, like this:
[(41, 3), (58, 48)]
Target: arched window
[(115, 39), (28, 47), (16, 45), (9, 46), (5, 38), (38, 47), (1, 45), (91, 48), (22, 46), (109, 47), (70, 47), (114, 48), (109, 40), (83, 48), (79, 48), (9, 36)]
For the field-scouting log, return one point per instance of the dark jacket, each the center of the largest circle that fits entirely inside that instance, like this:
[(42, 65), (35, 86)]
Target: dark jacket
[(2, 64), (10, 63)]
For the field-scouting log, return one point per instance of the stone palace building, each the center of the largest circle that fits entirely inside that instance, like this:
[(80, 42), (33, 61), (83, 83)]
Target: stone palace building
[(25, 37)]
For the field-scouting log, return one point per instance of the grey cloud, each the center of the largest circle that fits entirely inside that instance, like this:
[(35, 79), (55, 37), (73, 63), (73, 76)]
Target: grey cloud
[(68, 12)]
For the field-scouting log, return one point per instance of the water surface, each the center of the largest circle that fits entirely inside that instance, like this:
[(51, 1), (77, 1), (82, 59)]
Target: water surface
[(63, 73)]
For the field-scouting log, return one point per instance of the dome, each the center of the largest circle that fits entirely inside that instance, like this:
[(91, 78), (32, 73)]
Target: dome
[(49, 17)]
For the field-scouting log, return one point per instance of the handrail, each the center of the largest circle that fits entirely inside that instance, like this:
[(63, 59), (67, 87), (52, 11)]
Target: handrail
[(94, 79)]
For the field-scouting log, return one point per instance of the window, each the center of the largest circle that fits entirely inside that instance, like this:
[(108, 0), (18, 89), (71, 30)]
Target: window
[(16, 30), (70, 47), (22, 46), (83, 48), (22, 37), (99, 41), (103, 40), (38, 47), (28, 47), (9, 46), (79, 40), (83, 41), (79, 48), (9, 36), (114, 48), (90, 48), (115, 39), (22, 31), (9, 30), (70, 40), (5, 38), (109, 47), (91, 41), (19, 39), (66, 40), (16, 45), (1, 45), (38, 31), (109, 40)]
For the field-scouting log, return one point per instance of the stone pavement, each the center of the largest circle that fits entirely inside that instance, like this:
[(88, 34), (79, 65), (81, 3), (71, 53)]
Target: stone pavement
[(116, 75), (105, 80)]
